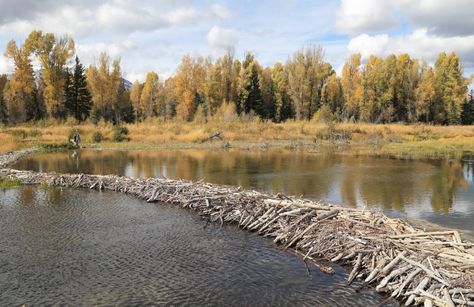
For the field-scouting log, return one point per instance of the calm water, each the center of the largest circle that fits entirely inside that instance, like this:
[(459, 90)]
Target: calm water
[(439, 191), (85, 248)]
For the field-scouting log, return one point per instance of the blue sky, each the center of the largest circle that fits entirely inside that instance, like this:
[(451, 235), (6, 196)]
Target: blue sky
[(155, 34)]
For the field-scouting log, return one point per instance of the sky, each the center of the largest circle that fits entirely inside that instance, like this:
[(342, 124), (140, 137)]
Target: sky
[(153, 35)]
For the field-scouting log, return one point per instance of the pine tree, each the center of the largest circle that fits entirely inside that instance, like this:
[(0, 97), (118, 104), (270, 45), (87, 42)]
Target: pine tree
[(250, 93), (78, 100), (3, 110), (123, 109), (82, 94), (467, 115), (3, 105), (69, 99)]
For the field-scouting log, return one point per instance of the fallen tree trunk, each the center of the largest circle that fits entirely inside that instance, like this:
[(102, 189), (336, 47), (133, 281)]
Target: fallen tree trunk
[(399, 259), (215, 135)]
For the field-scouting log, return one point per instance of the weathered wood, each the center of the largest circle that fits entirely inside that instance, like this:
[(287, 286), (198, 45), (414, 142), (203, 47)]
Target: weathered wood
[(215, 135), (403, 260)]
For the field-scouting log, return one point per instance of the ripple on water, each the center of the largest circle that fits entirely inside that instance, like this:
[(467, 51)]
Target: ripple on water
[(77, 247)]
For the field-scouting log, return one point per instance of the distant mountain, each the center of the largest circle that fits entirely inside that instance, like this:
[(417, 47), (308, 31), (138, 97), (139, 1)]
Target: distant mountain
[(127, 84)]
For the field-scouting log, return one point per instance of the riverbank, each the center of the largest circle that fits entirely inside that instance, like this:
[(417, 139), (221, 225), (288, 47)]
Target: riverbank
[(415, 141), (400, 259)]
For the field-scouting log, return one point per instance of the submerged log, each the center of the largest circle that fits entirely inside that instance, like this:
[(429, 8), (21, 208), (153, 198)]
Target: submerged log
[(402, 260)]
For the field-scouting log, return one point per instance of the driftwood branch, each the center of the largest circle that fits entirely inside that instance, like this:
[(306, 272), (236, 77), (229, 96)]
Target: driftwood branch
[(215, 135), (402, 260)]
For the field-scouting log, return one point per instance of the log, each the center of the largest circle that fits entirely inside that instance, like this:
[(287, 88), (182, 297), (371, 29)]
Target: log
[(401, 259)]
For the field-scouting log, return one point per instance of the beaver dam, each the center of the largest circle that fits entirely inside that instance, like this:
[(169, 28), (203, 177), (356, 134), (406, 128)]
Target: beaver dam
[(402, 260)]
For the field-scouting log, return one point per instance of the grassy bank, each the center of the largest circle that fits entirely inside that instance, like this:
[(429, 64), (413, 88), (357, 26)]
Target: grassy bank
[(370, 139)]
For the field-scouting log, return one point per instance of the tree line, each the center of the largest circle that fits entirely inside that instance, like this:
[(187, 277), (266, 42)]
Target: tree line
[(396, 88)]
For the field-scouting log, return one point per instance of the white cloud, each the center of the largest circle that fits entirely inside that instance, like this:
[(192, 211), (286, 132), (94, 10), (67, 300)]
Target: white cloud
[(184, 15), (420, 44), (367, 45), (221, 38), (89, 53), (454, 17), (104, 17), (360, 16), (135, 76), (221, 11), (6, 67)]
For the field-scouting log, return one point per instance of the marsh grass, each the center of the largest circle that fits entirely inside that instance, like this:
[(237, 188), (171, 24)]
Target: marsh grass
[(6, 183), (390, 139)]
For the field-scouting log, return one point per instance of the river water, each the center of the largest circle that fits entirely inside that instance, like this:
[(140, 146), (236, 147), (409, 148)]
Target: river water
[(438, 191), (66, 247), (88, 248)]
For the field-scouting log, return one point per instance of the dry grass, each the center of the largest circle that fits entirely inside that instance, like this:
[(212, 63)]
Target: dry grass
[(392, 139)]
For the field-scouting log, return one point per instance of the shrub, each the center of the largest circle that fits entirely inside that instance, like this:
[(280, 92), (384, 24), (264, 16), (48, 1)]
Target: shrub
[(34, 133), (120, 134), (226, 113), (71, 121), (97, 137), (200, 115), (332, 133), (18, 133), (324, 115)]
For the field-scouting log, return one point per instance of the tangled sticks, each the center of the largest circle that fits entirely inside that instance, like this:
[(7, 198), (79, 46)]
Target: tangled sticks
[(434, 268)]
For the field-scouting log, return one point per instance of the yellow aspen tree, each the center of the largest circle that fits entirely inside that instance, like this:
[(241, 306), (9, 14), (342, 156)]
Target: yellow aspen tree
[(53, 54), (425, 95), (18, 92), (150, 95), (351, 83), (135, 93)]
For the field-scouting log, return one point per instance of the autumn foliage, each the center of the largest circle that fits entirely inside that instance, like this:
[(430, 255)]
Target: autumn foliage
[(395, 88)]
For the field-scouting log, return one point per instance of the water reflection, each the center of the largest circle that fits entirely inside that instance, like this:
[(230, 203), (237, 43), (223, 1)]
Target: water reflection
[(410, 188), (66, 247)]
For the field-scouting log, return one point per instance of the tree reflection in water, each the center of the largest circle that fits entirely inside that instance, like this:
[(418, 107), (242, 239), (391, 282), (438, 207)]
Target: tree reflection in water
[(355, 181)]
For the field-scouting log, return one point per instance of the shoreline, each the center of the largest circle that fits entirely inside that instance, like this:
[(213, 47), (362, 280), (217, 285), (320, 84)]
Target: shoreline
[(384, 252), (392, 140)]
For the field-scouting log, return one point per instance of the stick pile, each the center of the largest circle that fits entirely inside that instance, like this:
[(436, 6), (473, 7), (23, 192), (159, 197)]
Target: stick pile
[(434, 268)]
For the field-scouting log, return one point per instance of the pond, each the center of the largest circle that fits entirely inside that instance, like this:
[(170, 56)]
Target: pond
[(63, 247), (439, 191)]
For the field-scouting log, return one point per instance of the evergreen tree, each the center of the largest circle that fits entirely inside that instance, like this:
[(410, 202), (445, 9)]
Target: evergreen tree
[(3, 105), (69, 99), (250, 94), (3, 110), (124, 111), (37, 109), (467, 115), (78, 100)]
